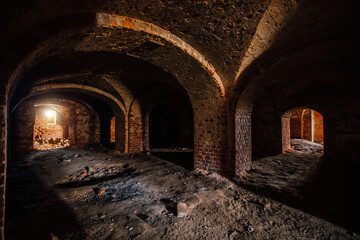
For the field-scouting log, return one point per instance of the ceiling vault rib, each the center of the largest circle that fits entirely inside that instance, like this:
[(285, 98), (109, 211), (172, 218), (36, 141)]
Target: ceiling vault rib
[(114, 20)]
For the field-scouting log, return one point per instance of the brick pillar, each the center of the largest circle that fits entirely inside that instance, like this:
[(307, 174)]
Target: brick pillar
[(72, 127), (286, 132), (136, 130), (211, 150), (120, 133), (83, 130), (243, 141)]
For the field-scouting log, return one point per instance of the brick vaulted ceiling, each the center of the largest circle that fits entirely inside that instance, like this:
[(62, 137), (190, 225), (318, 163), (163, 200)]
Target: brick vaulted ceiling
[(44, 32), (237, 65), (227, 35)]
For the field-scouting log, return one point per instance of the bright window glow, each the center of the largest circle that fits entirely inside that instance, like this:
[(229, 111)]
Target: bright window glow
[(51, 117), (49, 113)]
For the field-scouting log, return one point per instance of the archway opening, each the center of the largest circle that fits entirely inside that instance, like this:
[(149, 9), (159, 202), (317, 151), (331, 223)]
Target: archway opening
[(286, 176), (51, 127), (303, 131), (171, 134), (164, 127)]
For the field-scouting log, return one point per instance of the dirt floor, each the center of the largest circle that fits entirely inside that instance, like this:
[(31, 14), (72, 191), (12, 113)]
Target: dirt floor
[(96, 194), (286, 174)]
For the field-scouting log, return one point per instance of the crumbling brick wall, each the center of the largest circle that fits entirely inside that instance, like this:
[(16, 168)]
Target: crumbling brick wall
[(45, 132)]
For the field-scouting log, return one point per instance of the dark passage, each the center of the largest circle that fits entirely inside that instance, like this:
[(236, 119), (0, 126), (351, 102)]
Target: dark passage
[(164, 127), (169, 138)]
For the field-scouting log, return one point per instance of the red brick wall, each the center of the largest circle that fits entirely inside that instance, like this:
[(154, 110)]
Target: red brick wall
[(318, 127), (302, 124), (112, 130), (307, 124), (296, 124), (211, 151), (136, 130)]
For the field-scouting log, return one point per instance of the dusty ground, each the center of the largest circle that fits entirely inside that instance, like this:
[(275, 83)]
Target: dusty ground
[(287, 174), (303, 179), (93, 194)]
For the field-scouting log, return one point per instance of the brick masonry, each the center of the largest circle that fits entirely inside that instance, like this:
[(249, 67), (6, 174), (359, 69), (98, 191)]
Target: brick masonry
[(302, 123), (112, 130), (274, 55), (78, 123)]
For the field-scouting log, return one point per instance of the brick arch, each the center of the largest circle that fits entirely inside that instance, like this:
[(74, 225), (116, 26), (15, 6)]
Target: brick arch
[(190, 69), (184, 113), (47, 87), (286, 126), (83, 21), (24, 116), (206, 80), (118, 109), (114, 20), (141, 105)]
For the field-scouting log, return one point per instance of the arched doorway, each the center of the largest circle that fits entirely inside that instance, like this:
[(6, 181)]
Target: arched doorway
[(164, 128), (51, 127), (171, 134), (303, 130)]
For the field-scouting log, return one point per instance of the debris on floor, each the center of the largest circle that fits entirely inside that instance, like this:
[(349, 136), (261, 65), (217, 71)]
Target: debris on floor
[(101, 195)]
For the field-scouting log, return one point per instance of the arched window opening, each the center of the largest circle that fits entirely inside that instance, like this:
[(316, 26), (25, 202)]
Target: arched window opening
[(112, 130), (51, 127), (303, 130)]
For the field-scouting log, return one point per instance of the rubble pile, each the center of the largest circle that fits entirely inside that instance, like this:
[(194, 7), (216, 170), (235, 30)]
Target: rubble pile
[(114, 192), (50, 143)]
